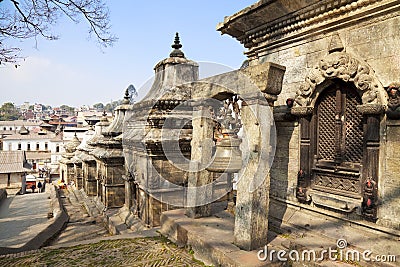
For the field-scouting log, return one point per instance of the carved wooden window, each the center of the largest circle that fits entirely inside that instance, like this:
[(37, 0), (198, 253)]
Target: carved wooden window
[(338, 141), (339, 127)]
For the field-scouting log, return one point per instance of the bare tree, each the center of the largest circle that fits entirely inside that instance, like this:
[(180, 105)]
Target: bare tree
[(23, 19)]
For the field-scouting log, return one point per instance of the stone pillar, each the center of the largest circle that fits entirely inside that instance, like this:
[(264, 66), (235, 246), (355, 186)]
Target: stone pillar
[(91, 182), (78, 173), (128, 191), (70, 173), (198, 195), (252, 203)]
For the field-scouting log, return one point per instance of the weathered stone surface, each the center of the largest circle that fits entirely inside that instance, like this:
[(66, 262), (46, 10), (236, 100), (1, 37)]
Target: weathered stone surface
[(251, 215), (286, 161), (298, 35), (375, 41), (389, 211), (157, 140), (199, 198)]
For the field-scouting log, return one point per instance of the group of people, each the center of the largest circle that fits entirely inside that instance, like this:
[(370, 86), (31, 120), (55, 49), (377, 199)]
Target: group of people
[(40, 187)]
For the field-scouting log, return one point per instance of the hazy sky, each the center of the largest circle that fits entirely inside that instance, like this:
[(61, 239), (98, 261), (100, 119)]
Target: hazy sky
[(75, 71)]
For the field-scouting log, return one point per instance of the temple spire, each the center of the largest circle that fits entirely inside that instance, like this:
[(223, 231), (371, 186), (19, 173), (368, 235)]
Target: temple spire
[(177, 52)]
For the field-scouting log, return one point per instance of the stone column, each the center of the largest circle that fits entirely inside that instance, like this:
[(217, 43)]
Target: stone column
[(252, 203), (198, 195), (91, 179), (128, 192), (78, 170)]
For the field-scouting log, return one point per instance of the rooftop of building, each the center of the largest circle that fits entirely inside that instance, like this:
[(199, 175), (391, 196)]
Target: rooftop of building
[(13, 162), (30, 136), (20, 123)]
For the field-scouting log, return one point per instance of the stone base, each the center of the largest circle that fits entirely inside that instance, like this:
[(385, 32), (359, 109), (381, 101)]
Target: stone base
[(290, 228), (210, 238), (114, 195), (91, 187)]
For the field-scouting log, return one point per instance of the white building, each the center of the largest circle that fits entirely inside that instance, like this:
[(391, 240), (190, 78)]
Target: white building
[(24, 107), (17, 124), (43, 149), (38, 108)]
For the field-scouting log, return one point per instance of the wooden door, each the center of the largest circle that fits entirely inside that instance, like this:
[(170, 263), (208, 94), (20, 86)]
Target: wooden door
[(338, 134)]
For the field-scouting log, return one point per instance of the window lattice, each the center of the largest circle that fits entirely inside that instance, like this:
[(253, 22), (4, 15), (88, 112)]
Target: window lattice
[(326, 125), (354, 128)]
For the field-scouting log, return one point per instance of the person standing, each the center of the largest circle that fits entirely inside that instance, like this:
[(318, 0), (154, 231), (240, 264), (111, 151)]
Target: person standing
[(39, 185)]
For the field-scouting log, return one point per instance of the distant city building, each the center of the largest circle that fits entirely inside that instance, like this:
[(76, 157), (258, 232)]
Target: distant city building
[(13, 168), (28, 115), (43, 148), (10, 126), (24, 107), (83, 108), (38, 108)]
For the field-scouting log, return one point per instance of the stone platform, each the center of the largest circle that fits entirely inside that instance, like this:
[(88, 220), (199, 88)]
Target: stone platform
[(25, 223), (290, 228)]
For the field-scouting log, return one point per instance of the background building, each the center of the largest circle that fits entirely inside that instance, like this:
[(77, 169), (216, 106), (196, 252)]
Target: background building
[(13, 167)]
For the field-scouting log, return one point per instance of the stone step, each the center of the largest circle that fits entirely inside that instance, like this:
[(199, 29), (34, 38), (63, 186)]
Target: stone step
[(307, 232)]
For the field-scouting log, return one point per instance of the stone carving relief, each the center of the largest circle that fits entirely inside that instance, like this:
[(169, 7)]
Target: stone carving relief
[(393, 111), (342, 66)]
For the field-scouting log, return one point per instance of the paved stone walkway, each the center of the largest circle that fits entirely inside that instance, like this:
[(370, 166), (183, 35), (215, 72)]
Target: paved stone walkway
[(153, 251), (22, 217), (85, 241)]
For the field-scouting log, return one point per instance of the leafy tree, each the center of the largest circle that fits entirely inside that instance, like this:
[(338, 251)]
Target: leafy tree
[(112, 105), (132, 92), (70, 110), (99, 106), (23, 19), (45, 108), (9, 112)]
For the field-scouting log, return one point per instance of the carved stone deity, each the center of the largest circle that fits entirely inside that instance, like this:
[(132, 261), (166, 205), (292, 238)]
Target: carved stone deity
[(393, 111)]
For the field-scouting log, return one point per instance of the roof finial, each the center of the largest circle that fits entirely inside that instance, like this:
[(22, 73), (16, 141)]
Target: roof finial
[(126, 100), (176, 46), (177, 42)]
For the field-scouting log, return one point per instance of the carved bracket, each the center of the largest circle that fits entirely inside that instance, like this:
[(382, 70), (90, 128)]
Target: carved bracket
[(268, 77)]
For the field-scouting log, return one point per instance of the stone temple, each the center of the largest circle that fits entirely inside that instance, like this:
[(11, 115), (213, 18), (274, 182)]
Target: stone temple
[(313, 116)]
